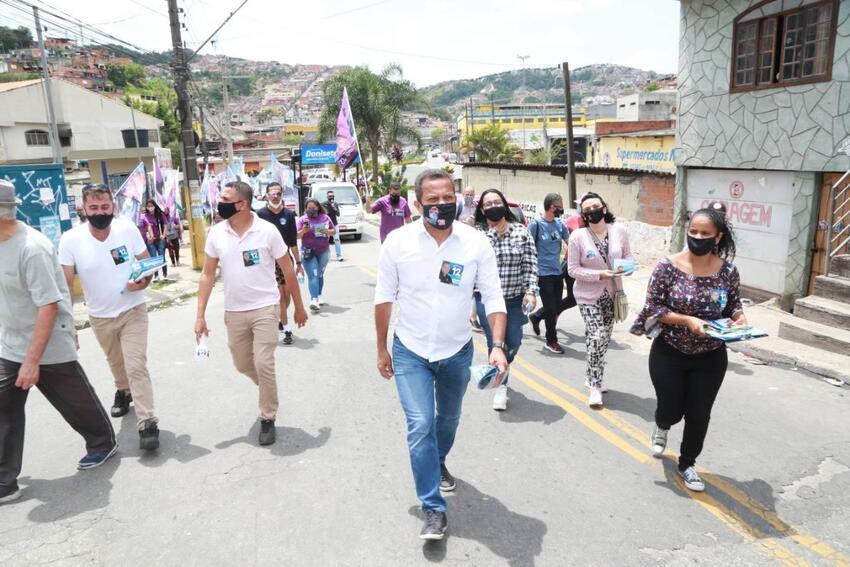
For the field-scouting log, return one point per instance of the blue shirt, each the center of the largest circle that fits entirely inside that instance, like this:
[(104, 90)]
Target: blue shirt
[(547, 236)]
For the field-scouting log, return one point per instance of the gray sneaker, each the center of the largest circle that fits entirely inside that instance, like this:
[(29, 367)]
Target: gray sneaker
[(447, 481), (435, 526), (658, 441), (692, 479)]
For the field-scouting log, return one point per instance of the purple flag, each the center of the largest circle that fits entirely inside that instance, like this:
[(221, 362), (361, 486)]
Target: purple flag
[(131, 192), (346, 136)]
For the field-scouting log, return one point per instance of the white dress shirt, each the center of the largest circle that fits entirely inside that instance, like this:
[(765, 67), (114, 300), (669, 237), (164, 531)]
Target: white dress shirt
[(433, 286)]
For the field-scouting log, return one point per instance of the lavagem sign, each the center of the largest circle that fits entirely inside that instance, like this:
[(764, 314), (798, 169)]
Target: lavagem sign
[(320, 154)]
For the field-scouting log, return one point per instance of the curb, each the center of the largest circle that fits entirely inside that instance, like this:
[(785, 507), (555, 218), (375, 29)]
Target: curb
[(790, 361), (79, 325)]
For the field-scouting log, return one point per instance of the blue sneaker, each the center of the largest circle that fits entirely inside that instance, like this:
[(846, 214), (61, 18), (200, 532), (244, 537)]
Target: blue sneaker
[(97, 458)]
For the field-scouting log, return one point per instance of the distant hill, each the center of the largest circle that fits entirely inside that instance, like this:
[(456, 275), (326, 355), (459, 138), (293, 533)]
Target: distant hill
[(539, 85)]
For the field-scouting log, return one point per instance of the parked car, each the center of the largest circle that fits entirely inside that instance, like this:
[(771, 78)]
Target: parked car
[(350, 206)]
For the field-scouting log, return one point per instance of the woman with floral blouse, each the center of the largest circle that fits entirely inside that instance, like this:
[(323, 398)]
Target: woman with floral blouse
[(687, 366), (516, 256)]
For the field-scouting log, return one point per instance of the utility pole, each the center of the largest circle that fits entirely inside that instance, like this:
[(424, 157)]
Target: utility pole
[(51, 114), (191, 190), (492, 111), (228, 132), (568, 105)]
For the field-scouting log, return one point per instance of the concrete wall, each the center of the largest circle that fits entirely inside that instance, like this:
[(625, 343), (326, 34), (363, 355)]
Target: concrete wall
[(643, 201), (794, 128), (634, 107), (116, 166)]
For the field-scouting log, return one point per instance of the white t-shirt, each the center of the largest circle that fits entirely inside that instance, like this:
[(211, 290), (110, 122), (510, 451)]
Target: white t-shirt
[(104, 267), (247, 263)]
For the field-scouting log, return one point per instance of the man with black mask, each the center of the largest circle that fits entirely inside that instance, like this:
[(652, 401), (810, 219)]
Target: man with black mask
[(430, 268), (394, 210), (101, 253), (332, 210)]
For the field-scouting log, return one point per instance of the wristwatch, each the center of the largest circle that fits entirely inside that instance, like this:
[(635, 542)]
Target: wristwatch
[(501, 345), (297, 263)]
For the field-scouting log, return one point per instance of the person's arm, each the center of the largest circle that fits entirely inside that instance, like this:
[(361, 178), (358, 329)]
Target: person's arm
[(205, 287), (386, 291), (529, 270), (489, 285), (290, 237), (69, 279), (331, 228), (408, 217), (285, 264), (28, 373), (734, 308), (375, 207), (657, 308), (303, 227)]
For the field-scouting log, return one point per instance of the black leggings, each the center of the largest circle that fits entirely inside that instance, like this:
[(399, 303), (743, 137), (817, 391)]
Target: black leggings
[(686, 385)]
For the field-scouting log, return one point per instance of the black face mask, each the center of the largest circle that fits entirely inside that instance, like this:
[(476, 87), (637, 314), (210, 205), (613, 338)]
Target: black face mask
[(558, 212), (330, 198), (100, 222), (594, 216), (227, 210), (701, 246), (495, 214), (440, 216), (395, 199)]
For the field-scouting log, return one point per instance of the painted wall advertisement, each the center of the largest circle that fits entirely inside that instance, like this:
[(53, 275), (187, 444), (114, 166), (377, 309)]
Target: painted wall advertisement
[(759, 205), (44, 195)]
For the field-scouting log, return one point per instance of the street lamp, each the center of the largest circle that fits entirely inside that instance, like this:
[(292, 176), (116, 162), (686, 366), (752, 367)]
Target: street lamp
[(522, 101)]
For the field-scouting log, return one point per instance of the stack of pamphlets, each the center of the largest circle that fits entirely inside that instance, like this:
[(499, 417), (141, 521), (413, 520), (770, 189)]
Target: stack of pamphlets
[(146, 267), (722, 329)]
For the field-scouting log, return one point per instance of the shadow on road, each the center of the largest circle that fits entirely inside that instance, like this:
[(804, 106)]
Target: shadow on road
[(522, 409), (333, 309), (299, 343), (290, 440), (739, 369), (752, 501), (480, 517), (643, 408), (70, 496), (171, 446)]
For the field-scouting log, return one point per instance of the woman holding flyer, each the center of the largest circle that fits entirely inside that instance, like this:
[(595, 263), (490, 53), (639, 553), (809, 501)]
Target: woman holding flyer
[(687, 366), (598, 256), (315, 228)]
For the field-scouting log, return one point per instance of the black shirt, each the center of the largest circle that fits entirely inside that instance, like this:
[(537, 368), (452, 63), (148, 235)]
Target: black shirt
[(332, 210), (285, 223)]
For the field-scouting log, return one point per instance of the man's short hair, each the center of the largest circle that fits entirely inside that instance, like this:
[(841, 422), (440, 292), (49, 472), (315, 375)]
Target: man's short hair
[(96, 189), (273, 184), (395, 185), (243, 190), (429, 175), (550, 200)]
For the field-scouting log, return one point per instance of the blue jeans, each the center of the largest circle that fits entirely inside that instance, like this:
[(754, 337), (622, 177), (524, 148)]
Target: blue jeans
[(513, 333), (158, 249), (338, 247), (431, 395), (315, 270)]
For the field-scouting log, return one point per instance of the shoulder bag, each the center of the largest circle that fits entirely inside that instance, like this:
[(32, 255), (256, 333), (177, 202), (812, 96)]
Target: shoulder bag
[(621, 302)]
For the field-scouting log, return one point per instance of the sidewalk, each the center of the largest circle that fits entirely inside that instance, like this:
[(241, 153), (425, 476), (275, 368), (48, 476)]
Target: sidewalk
[(182, 284)]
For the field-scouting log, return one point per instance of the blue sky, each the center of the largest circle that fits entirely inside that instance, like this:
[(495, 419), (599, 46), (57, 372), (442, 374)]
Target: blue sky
[(434, 40)]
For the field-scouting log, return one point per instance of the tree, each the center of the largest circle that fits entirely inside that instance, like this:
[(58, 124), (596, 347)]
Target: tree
[(437, 133), (123, 75), (14, 38), (377, 101), (293, 139), (492, 143)]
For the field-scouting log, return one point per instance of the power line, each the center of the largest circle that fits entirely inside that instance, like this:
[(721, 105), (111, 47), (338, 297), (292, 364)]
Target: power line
[(212, 35), (149, 9)]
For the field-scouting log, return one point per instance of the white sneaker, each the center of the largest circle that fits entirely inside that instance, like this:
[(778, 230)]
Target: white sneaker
[(314, 305), (692, 479), (595, 398), (658, 441), (500, 398)]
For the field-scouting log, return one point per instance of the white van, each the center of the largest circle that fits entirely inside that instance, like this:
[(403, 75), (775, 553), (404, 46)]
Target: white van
[(350, 206)]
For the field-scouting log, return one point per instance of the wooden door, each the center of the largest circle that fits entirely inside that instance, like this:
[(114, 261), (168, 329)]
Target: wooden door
[(819, 247)]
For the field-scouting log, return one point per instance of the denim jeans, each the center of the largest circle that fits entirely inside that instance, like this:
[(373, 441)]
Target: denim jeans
[(513, 333), (338, 247), (158, 249), (431, 395), (315, 270)]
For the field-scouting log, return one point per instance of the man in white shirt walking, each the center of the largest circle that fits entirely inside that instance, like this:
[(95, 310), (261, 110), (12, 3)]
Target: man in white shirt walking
[(248, 249), (102, 252), (430, 269)]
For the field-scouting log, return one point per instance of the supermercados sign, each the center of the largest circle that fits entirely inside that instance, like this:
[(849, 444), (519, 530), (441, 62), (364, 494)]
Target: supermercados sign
[(320, 154)]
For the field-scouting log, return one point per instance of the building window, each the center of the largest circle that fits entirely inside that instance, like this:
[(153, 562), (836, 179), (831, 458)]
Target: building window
[(653, 102), (774, 48), (37, 138)]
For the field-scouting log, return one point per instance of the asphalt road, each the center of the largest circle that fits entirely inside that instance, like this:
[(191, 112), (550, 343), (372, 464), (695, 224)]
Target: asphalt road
[(549, 482)]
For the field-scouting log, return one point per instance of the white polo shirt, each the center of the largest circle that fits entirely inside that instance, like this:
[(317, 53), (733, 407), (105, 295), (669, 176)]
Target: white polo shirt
[(247, 263), (433, 286), (104, 267)]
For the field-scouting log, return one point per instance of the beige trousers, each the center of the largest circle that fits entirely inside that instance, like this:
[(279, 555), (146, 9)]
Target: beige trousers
[(252, 338), (124, 339)]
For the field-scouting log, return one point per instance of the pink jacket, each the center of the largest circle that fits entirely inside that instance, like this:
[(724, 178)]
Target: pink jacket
[(584, 262)]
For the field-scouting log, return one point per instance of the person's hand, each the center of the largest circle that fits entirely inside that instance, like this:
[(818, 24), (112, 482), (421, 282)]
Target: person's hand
[(740, 320), (139, 285), (530, 300), (696, 326), (500, 361), (300, 315), (607, 275), (28, 375), (385, 364), (201, 329)]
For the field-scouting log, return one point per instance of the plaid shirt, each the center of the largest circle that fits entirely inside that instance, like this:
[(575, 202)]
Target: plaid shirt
[(516, 256)]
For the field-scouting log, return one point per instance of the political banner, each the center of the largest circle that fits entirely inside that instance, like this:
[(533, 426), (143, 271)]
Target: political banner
[(131, 193), (346, 135)]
